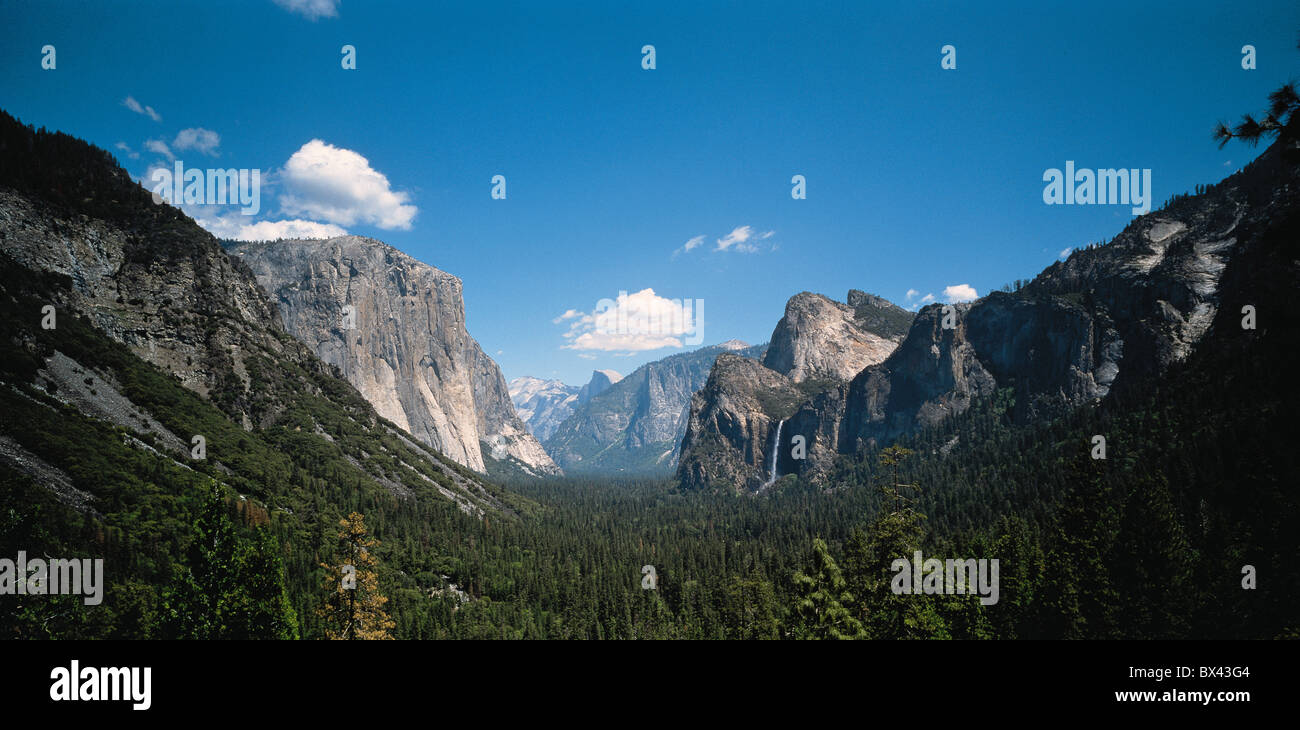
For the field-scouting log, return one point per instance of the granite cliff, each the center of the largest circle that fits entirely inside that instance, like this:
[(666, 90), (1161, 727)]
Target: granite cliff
[(395, 328)]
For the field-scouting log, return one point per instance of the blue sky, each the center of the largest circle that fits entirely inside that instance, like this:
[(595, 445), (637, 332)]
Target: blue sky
[(918, 178)]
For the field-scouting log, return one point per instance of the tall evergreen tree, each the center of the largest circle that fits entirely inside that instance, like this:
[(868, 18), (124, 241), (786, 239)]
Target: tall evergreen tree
[(823, 608), (354, 607)]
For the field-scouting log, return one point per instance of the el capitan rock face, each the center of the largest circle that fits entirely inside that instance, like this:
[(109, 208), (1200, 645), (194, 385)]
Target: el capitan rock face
[(395, 327)]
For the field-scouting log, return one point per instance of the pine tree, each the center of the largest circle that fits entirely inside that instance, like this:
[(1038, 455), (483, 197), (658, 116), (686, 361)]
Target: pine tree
[(354, 607), (897, 532), (230, 587), (823, 607)]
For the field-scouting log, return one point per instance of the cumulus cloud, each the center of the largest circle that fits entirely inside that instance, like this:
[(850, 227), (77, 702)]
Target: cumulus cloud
[(311, 9), (635, 322), (240, 228), (135, 106), (339, 186), (959, 293), (568, 314), (198, 139)]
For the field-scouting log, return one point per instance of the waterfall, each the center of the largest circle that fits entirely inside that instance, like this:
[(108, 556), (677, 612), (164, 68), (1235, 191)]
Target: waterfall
[(776, 451)]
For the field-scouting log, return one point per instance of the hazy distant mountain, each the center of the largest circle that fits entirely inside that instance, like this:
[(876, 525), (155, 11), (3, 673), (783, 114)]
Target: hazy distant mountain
[(601, 380), (544, 404), (636, 424)]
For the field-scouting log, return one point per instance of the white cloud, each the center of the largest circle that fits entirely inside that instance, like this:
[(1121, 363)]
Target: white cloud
[(959, 293), (199, 139), (634, 322), (694, 242), (738, 239), (1066, 251), (138, 108), (586, 356), (913, 303), (159, 147), (339, 186), (311, 9), (741, 238), (568, 314), (240, 228), (127, 149)]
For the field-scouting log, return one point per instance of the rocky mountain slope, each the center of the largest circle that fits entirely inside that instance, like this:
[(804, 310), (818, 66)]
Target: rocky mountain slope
[(544, 404), (818, 346), (395, 328), (636, 425), (1084, 327), (156, 331)]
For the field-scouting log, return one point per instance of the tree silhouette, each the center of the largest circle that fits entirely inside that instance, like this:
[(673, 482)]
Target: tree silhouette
[(1282, 104)]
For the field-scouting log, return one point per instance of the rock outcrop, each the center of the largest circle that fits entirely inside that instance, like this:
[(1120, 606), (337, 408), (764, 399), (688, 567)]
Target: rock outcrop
[(816, 349), (820, 338), (395, 328), (733, 423)]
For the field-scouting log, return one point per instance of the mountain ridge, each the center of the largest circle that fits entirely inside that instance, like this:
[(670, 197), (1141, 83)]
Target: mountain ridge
[(1103, 317)]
